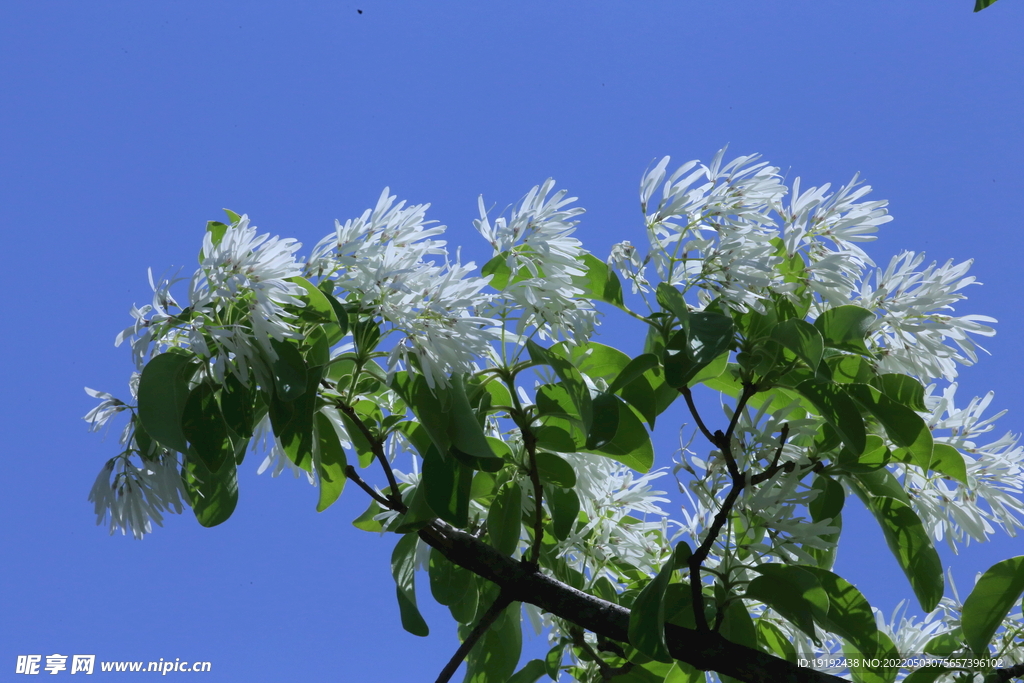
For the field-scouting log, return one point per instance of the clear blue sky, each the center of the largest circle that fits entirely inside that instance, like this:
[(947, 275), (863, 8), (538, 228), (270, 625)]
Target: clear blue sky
[(125, 126)]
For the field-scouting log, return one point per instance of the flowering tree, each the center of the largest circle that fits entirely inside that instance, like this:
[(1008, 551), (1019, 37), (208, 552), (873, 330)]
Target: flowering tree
[(512, 452)]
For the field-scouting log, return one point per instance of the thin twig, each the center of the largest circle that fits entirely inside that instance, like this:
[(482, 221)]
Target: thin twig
[(688, 395), (377, 446), (489, 617), (351, 473), (530, 441)]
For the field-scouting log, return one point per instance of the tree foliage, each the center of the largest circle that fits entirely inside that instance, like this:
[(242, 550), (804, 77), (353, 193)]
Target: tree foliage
[(528, 497)]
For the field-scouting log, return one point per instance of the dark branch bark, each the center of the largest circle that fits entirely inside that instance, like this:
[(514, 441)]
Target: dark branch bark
[(703, 649)]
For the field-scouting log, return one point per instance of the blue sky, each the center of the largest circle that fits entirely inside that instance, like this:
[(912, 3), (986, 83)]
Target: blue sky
[(125, 126)]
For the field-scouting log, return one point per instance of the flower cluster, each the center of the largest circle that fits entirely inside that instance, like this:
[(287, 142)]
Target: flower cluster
[(543, 261)]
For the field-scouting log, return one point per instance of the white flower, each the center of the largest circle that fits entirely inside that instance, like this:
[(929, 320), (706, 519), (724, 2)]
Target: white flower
[(627, 261), (712, 228), (995, 474), (436, 317), (544, 258), (371, 255), (108, 407), (914, 321), (252, 271), (131, 497), (612, 496)]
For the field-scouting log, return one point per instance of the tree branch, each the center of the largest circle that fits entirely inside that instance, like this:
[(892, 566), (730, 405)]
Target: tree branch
[(688, 395), (703, 649), (530, 441), (351, 473), (378, 451), (488, 618)]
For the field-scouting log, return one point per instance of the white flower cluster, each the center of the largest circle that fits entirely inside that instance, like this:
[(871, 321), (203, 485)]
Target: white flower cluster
[(543, 260), (619, 506), (134, 496), (235, 303), (712, 227), (992, 495), (380, 260)]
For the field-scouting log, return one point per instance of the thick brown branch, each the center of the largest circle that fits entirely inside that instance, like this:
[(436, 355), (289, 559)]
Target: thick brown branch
[(703, 649)]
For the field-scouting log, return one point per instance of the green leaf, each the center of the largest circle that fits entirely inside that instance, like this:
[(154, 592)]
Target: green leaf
[(534, 669), (737, 626), (849, 614), (555, 438), (710, 371), (293, 421), (570, 376), (875, 456), (631, 444), (773, 640), (403, 568), (633, 370), (289, 369), (203, 426), (706, 337), (903, 389), (555, 470), (163, 392), (836, 407), (671, 299), (647, 617), (565, 510), (213, 495), (553, 661), (465, 426), (885, 653), (845, 328), (830, 499), (362, 445), (446, 487), (606, 420), (991, 600), (237, 403), (449, 582), (495, 656), (794, 592), (905, 427), (947, 460), (945, 644), (426, 406), (803, 339), (600, 281), (879, 483), (216, 230), (505, 518), (911, 545), (846, 368), (982, 4), (366, 521), (329, 460), (464, 611), (499, 271)]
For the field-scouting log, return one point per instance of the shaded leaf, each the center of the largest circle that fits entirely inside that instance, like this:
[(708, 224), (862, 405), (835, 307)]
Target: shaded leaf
[(403, 569), (991, 600)]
